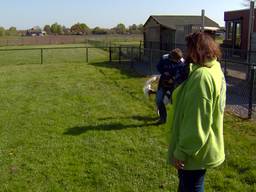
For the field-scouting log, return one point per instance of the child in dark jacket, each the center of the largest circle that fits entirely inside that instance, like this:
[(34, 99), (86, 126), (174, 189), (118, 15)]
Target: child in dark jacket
[(173, 71)]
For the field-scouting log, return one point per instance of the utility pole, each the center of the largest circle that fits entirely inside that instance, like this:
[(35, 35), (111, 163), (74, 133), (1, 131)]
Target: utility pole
[(203, 20)]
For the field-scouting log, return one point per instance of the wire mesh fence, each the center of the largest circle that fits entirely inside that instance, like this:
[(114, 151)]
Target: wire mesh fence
[(238, 66), (50, 55), (239, 69)]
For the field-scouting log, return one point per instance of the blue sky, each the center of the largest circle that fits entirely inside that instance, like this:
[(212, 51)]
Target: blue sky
[(25, 14)]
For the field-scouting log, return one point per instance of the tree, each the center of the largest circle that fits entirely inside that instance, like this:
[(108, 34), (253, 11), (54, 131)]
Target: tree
[(47, 29), (37, 28), (12, 31), (99, 31), (133, 28), (66, 30), (120, 28), (136, 29), (246, 3), (2, 31), (85, 29), (140, 27), (80, 29), (56, 29)]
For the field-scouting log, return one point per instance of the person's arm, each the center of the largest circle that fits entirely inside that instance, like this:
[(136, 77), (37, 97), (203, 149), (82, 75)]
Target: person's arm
[(196, 123), (159, 66), (180, 73)]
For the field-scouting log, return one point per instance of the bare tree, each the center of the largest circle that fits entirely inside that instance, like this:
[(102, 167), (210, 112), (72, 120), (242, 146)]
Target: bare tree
[(246, 3)]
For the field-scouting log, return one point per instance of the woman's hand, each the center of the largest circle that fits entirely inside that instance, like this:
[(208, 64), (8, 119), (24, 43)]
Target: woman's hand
[(178, 164)]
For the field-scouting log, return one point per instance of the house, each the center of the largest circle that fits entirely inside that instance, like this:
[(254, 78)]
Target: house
[(35, 31), (237, 28), (168, 31)]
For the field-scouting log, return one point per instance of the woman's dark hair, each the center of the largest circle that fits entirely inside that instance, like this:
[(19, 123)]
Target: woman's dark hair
[(201, 48)]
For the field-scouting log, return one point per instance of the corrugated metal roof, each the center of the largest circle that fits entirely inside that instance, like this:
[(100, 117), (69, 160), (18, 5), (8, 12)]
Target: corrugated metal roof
[(171, 21)]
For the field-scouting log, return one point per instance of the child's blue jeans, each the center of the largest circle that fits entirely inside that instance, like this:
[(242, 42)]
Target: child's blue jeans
[(160, 104)]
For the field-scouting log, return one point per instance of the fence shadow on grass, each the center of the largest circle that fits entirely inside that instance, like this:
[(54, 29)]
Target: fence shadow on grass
[(125, 67), (78, 130)]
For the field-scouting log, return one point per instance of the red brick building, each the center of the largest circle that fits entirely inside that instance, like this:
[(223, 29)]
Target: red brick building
[(237, 25)]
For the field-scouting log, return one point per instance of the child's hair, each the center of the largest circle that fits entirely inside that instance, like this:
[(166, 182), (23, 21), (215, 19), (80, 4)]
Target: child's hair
[(176, 54)]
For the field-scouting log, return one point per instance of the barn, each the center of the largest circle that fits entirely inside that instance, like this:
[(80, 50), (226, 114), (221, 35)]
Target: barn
[(168, 31)]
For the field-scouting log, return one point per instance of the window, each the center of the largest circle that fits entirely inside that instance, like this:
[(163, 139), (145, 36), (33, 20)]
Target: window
[(238, 35), (229, 27)]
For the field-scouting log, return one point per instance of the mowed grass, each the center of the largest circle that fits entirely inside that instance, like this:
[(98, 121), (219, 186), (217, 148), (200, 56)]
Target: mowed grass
[(73, 127), (87, 127)]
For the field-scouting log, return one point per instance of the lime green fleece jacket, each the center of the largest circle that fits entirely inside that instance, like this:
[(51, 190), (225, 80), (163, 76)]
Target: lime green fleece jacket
[(196, 118)]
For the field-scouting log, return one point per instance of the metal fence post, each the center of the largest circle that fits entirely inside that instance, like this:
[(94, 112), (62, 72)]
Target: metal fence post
[(110, 54), (132, 57), (119, 54), (42, 55), (140, 48), (251, 90), (87, 55), (248, 76), (225, 63), (151, 62)]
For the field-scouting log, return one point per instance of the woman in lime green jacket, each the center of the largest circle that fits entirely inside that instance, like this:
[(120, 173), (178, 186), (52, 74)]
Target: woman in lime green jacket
[(196, 142)]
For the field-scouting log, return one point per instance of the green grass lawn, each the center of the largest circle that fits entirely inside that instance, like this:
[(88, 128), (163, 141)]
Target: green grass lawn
[(76, 126)]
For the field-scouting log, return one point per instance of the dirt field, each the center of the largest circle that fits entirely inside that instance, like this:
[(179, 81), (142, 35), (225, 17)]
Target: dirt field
[(64, 39)]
